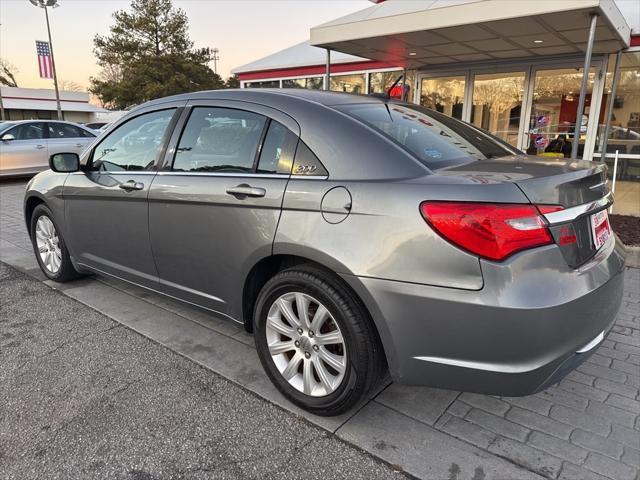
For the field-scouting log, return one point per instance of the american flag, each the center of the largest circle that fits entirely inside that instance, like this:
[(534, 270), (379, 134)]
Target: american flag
[(44, 59)]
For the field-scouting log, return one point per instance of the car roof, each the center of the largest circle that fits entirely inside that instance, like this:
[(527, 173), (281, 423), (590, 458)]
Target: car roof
[(321, 126), (322, 97)]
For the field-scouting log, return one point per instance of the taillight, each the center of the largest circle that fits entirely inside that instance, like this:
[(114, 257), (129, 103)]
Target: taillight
[(489, 230)]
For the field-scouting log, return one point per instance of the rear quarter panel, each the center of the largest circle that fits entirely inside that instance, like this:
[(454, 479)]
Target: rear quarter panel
[(385, 235)]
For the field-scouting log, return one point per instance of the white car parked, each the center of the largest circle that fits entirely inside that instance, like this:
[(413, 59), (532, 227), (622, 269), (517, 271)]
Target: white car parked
[(25, 146)]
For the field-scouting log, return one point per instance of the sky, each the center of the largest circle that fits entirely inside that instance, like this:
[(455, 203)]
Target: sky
[(243, 31)]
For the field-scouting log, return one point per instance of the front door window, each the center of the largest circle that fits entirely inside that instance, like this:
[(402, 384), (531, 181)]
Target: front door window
[(497, 104), (443, 94), (553, 112), (134, 145)]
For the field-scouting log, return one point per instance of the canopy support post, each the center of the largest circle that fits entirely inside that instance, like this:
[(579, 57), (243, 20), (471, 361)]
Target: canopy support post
[(583, 86), (612, 96), (327, 74)]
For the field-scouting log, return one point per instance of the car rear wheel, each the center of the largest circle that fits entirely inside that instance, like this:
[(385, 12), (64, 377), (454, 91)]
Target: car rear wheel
[(315, 341), (49, 247)]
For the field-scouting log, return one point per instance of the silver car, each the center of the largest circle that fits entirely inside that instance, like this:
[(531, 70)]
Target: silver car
[(350, 234), (26, 145)]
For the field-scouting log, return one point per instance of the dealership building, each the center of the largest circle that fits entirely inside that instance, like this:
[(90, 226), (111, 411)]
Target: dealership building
[(514, 68), (40, 103)]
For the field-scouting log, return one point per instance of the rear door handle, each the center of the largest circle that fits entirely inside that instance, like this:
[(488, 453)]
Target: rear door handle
[(40, 147), (243, 190), (79, 145), (131, 185)]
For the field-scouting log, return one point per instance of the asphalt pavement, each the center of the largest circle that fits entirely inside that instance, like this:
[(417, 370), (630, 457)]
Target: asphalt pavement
[(82, 396)]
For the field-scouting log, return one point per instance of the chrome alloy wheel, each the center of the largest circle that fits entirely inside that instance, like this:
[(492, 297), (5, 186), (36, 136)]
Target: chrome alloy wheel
[(48, 244), (306, 344)]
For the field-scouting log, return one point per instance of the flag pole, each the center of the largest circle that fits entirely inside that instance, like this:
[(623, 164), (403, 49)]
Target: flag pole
[(53, 65)]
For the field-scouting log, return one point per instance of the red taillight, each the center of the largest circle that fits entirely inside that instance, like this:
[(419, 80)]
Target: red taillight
[(489, 230), (544, 209)]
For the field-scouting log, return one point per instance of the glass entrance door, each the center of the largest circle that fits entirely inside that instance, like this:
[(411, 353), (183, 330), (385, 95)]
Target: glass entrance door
[(444, 94), (497, 104), (531, 105), (553, 111)]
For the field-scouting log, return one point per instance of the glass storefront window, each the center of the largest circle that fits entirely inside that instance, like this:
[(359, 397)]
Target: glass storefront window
[(497, 104), (265, 84), (624, 132), (443, 94), (553, 112), (313, 83), (381, 82), (348, 83)]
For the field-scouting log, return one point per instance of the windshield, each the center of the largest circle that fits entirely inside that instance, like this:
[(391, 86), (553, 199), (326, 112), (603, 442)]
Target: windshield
[(5, 126), (437, 140)]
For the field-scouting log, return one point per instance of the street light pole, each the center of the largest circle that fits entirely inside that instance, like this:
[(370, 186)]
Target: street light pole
[(44, 4), (215, 59)]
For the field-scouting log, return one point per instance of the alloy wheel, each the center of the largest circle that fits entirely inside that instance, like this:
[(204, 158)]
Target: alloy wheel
[(48, 244), (306, 344)]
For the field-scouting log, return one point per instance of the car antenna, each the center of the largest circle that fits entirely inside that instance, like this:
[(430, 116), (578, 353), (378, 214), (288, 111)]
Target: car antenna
[(388, 95)]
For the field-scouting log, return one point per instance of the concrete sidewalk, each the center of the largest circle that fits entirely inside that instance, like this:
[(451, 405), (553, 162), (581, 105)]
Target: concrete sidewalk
[(586, 427)]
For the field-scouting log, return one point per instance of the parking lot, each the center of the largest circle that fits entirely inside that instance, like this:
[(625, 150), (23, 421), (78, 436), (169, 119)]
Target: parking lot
[(111, 402)]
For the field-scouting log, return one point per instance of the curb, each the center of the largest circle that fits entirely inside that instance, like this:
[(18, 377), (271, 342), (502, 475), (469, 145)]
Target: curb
[(633, 256)]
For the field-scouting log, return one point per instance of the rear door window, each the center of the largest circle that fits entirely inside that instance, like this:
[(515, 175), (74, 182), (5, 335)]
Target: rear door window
[(436, 140), (276, 154), (219, 140)]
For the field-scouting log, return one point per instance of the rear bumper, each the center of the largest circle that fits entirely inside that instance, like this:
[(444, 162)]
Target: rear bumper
[(517, 335)]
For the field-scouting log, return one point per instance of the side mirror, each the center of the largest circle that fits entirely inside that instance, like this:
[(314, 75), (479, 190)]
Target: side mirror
[(7, 137), (64, 162)]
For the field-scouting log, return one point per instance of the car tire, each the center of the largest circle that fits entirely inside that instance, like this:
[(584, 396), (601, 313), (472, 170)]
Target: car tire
[(317, 382), (49, 246)]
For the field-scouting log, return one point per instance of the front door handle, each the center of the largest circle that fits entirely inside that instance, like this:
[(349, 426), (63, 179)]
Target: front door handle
[(40, 147), (79, 145), (243, 190), (131, 185)]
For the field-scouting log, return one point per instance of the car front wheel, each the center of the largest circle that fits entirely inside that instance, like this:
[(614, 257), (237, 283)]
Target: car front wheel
[(49, 246), (315, 341)]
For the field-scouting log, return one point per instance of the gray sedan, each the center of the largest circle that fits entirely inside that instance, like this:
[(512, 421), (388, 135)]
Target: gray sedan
[(25, 146), (350, 234)]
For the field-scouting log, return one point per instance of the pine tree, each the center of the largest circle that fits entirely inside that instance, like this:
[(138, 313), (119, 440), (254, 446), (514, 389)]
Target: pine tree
[(150, 49)]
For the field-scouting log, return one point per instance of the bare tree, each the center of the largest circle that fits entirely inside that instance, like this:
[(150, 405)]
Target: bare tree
[(71, 86), (8, 73)]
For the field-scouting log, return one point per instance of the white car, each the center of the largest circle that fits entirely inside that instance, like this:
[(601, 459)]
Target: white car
[(25, 146)]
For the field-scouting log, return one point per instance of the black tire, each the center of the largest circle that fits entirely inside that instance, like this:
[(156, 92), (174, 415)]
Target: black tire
[(66, 272), (365, 358)]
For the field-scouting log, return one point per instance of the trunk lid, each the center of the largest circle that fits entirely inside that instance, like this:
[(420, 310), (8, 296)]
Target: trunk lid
[(550, 181)]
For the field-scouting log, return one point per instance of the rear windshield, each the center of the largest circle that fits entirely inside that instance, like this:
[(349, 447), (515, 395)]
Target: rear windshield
[(436, 140)]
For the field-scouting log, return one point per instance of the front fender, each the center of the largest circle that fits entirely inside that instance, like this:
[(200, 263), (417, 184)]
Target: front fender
[(47, 187)]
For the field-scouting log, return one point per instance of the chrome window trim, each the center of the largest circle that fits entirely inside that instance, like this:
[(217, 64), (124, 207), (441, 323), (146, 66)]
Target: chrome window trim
[(309, 177), (107, 172), (570, 214), (223, 174), (240, 174), (204, 174)]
